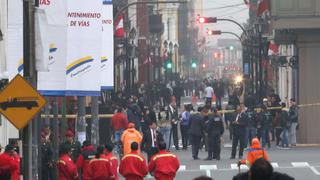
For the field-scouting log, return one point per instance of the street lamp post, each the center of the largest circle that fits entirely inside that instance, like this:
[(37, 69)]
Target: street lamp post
[(176, 58), (258, 28)]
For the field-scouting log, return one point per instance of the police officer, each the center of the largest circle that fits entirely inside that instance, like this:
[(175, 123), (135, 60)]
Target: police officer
[(47, 163), (75, 145), (251, 130), (87, 154), (239, 127), (215, 130)]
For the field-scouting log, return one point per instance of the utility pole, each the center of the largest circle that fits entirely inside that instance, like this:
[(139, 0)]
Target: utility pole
[(81, 122), (31, 75), (95, 120)]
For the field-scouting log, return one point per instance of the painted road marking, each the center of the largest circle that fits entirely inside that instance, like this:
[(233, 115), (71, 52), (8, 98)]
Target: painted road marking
[(315, 170), (300, 164), (182, 168), (235, 166), (208, 169), (275, 165)]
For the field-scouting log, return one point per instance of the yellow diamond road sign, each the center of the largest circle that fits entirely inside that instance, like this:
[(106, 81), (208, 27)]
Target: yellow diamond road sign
[(20, 102)]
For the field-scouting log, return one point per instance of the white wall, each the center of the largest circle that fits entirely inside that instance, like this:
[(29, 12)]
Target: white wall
[(6, 129)]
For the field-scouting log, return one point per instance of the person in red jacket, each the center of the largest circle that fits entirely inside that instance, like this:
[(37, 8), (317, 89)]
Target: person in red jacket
[(67, 168), (7, 163), (16, 160), (119, 123), (100, 167), (87, 153), (164, 164), (113, 159), (133, 166)]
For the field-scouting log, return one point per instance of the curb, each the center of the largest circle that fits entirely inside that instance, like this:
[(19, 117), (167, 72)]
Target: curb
[(308, 145)]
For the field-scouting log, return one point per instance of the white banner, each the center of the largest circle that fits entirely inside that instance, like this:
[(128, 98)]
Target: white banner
[(53, 82), (84, 47), (15, 39), (107, 75), (41, 40)]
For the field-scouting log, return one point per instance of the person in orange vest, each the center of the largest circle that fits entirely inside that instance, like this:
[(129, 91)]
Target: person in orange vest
[(254, 152), (7, 164), (113, 159), (133, 165), (164, 164), (100, 167), (67, 168), (130, 135), (87, 153)]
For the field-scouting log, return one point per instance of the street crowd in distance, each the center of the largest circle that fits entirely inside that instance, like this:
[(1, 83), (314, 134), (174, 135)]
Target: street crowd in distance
[(142, 136)]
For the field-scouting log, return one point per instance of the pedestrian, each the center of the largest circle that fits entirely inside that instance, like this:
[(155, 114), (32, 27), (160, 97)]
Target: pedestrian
[(134, 112), (130, 135), (239, 129), (196, 127), (164, 165), (285, 126), (173, 116), (100, 167), (133, 165), (113, 159), (46, 158), (254, 152), (87, 154), (74, 145), (150, 140), (251, 130), (293, 115), (266, 123), (184, 126), (219, 93), (67, 168), (164, 124), (16, 158), (119, 123), (209, 92), (230, 117), (7, 163)]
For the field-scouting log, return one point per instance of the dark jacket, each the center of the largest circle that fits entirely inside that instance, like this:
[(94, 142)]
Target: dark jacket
[(196, 124), (147, 139), (293, 113), (215, 125), (275, 176)]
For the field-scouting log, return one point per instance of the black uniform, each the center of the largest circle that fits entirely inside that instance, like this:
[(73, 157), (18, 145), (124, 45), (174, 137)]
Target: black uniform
[(47, 163), (239, 132), (215, 130), (196, 126), (173, 117)]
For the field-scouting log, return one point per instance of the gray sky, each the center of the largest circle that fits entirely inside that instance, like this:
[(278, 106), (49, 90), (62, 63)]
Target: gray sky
[(239, 13)]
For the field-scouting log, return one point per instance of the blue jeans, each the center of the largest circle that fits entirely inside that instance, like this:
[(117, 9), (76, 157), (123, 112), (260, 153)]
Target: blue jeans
[(165, 131), (251, 133), (285, 137), (117, 140), (265, 137)]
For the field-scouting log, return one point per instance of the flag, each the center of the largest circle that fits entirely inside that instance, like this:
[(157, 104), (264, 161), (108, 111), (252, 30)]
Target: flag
[(273, 49), (262, 7), (119, 32)]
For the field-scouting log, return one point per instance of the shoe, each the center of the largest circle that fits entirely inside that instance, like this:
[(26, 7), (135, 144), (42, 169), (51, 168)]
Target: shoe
[(208, 159), (177, 148), (195, 158), (232, 157)]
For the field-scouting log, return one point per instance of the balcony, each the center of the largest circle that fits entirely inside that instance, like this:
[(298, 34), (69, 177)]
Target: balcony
[(295, 14)]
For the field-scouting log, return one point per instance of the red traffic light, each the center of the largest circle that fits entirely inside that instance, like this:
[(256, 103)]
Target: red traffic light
[(202, 20), (204, 65), (212, 32)]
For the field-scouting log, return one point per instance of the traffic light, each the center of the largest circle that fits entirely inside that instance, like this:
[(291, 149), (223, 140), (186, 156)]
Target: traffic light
[(202, 20), (193, 64), (231, 48), (169, 64), (211, 32), (204, 65)]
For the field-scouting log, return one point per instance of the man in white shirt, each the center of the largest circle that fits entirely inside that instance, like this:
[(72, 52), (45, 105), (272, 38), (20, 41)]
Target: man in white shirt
[(209, 92)]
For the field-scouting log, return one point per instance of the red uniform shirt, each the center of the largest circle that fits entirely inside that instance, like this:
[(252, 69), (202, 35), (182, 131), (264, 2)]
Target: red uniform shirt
[(67, 168), (100, 169), (164, 165), (83, 160), (114, 164), (133, 166), (16, 172), (119, 121), (7, 164)]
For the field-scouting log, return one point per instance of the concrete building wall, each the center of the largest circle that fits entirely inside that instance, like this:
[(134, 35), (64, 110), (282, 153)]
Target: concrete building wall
[(309, 85)]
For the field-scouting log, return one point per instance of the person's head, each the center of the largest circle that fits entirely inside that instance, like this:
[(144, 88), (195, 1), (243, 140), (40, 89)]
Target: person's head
[(265, 101), (292, 101), (261, 169), (65, 149), (215, 111), (42, 137), (109, 147), (100, 150), (47, 130), (283, 105), (131, 125), (173, 103), (134, 146), (69, 136), (9, 149), (86, 143), (203, 178), (162, 145), (255, 142), (119, 109), (200, 109), (153, 125)]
